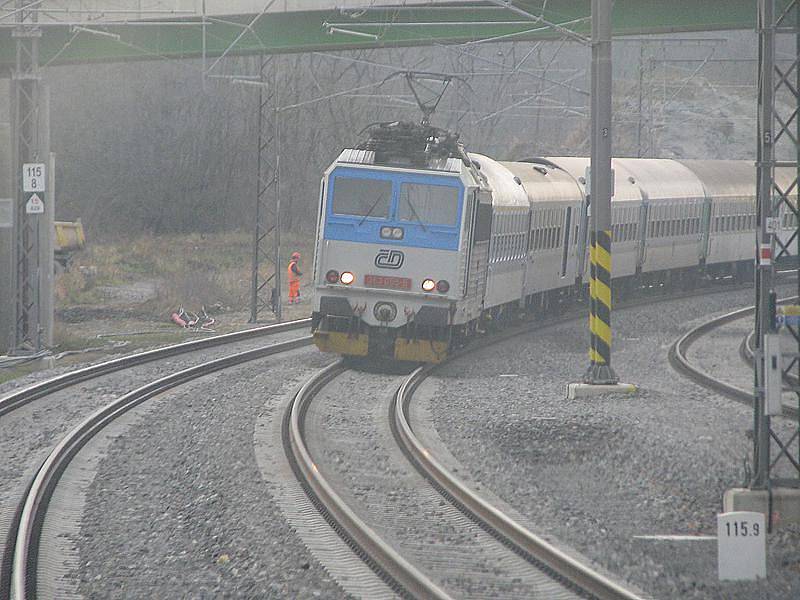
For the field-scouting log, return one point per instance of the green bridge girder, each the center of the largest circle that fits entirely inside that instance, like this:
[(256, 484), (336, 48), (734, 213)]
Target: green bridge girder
[(287, 32)]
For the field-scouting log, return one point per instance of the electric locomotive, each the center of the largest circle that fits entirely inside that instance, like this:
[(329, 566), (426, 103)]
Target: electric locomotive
[(398, 217)]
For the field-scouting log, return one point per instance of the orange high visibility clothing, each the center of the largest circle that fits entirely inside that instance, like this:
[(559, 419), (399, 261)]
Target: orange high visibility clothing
[(294, 281), (293, 272)]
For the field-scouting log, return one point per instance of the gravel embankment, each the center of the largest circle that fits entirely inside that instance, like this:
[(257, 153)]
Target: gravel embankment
[(179, 508), (594, 473)]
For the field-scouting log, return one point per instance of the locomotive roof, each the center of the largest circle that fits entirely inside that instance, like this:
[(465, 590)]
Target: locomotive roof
[(355, 156)]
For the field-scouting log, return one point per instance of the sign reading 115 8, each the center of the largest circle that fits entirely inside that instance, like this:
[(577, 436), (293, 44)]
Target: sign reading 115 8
[(33, 177)]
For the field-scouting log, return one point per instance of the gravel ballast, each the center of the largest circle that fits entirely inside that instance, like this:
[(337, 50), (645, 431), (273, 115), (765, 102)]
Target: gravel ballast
[(179, 509), (594, 473)]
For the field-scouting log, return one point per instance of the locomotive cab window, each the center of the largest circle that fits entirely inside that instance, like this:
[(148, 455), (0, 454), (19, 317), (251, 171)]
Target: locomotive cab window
[(362, 197), (429, 204)]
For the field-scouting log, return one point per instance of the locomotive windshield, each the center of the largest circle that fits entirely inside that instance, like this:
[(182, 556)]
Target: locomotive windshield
[(362, 197), (428, 204), (417, 209)]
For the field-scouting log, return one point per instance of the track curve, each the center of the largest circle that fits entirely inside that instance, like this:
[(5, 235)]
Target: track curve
[(534, 548), (22, 544), (678, 358), (403, 577)]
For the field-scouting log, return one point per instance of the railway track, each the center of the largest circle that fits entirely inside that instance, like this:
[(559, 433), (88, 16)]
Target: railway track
[(415, 570), (18, 572), (679, 359), (401, 573), (36, 391), (21, 550)]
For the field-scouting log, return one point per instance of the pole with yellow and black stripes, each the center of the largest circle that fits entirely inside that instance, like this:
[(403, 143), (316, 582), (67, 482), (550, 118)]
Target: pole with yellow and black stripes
[(601, 187), (600, 371)]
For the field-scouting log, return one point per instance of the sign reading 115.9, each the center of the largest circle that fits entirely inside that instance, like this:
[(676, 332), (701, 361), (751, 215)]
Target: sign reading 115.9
[(33, 177)]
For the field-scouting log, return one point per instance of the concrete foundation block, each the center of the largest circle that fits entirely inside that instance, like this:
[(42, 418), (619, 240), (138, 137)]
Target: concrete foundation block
[(785, 503), (583, 390)]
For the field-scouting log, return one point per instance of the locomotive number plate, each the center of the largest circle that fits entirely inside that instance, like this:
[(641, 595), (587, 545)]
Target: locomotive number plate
[(387, 283)]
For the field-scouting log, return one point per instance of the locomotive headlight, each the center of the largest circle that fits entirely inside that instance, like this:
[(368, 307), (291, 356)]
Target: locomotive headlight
[(428, 285), (332, 276), (347, 278), (392, 233), (443, 286)]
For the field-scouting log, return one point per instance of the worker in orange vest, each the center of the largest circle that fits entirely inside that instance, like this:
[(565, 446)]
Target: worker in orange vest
[(294, 278)]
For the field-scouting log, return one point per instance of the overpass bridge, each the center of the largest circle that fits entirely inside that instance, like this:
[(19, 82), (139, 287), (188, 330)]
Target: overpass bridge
[(77, 31)]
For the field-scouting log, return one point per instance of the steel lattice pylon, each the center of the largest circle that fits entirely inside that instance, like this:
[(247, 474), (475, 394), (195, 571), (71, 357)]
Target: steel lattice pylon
[(265, 276), (25, 134), (778, 236)]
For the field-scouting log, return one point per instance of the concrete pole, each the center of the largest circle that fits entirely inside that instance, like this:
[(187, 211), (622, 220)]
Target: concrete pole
[(601, 190), (7, 190), (764, 243)]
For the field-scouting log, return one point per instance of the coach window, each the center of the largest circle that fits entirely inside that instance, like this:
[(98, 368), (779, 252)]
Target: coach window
[(685, 220), (558, 216), (546, 229)]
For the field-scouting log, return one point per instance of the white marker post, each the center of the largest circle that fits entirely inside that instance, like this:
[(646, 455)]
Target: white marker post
[(741, 546)]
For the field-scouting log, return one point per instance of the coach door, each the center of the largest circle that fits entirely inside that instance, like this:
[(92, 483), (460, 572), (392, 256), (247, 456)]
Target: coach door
[(644, 215), (478, 264), (567, 240), (705, 231)]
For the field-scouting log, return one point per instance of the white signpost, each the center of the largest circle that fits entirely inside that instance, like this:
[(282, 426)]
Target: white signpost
[(33, 177), (35, 205), (741, 546)]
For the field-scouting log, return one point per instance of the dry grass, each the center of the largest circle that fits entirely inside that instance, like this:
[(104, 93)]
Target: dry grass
[(190, 270)]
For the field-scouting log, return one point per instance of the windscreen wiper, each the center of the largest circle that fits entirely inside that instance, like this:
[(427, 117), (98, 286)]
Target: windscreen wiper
[(416, 216), (369, 212)]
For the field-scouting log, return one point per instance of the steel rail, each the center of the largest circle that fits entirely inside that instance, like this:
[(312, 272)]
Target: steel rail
[(528, 544), (34, 506), (33, 392), (747, 353), (396, 571), (678, 358)]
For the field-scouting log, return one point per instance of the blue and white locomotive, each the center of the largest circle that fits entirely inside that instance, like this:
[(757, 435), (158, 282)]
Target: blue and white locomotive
[(420, 242)]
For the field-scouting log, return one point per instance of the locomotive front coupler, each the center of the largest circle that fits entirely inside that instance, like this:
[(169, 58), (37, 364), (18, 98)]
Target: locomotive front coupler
[(355, 321)]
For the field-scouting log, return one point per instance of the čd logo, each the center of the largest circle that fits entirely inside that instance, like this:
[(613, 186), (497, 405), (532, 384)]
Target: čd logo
[(389, 259)]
